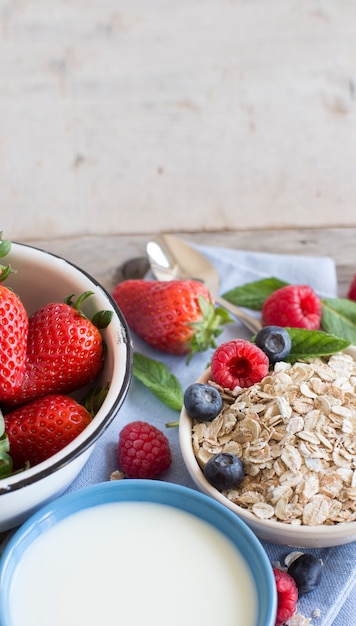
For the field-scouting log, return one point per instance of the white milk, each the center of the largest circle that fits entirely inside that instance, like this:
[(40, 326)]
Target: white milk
[(133, 563)]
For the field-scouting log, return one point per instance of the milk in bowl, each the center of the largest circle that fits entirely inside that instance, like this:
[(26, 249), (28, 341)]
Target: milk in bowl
[(142, 561)]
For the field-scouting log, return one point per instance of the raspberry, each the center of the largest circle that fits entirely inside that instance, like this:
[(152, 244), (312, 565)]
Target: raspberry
[(238, 363), (296, 306), (287, 594), (143, 451), (352, 289)]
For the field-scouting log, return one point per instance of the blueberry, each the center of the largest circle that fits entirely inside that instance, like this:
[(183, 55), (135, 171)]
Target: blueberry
[(306, 571), (224, 471), (202, 402), (275, 342)]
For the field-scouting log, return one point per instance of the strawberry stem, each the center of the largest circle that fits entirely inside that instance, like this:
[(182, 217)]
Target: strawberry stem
[(94, 399), (208, 328), (5, 247), (77, 303), (172, 424), (101, 319), (5, 458)]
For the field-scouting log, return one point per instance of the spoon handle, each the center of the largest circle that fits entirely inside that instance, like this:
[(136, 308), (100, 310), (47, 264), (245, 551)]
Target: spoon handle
[(247, 320)]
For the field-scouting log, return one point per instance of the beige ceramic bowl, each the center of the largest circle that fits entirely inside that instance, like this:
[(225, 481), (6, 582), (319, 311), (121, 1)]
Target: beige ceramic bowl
[(42, 278), (269, 530)]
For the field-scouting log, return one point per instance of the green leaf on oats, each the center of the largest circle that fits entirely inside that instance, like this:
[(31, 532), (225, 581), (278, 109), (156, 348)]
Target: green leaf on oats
[(339, 317), (253, 295), (156, 376), (308, 344)]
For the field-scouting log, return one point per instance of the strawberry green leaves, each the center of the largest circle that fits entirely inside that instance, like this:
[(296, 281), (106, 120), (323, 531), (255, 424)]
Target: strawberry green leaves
[(208, 328), (5, 246), (101, 319), (94, 399), (5, 458), (156, 376)]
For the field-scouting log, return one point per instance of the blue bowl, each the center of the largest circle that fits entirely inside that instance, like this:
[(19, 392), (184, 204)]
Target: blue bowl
[(242, 545)]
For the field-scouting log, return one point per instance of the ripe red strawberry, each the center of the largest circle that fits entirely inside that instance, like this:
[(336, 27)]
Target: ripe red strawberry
[(64, 351), (296, 306), (41, 428), (177, 316), (352, 289), (287, 594), (238, 363), (143, 451), (13, 341)]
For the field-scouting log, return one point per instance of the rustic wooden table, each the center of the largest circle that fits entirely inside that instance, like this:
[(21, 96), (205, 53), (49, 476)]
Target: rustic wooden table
[(102, 256)]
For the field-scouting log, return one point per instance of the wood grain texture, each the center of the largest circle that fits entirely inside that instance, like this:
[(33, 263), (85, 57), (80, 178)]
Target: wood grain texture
[(128, 116), (103, 256)]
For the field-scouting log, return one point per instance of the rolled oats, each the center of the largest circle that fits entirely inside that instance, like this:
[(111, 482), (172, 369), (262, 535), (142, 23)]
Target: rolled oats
[(295, 432)]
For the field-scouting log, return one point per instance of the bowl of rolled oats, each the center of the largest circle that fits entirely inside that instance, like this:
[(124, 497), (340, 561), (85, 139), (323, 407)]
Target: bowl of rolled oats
[(295, 433)]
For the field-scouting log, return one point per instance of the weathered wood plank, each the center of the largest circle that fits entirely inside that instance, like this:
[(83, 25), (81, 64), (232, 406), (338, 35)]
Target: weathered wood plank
[(102, 256), (127, 116)]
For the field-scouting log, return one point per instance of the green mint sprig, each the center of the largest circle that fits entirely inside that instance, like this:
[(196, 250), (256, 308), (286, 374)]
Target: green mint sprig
[(338, 314), (307, 344), (252, 295), (339, 317), (156, 376)]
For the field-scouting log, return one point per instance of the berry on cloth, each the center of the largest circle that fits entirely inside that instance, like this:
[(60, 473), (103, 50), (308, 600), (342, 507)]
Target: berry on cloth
[(177, 317), (275, 341), (238, 363), (297, 306), (143, 451), (202, 402), (306, 570), (224, 471), (352, 289), (287, 596), (41, 428)]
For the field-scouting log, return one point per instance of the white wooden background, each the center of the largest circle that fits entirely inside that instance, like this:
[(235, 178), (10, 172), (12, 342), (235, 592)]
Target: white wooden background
[(127, 116)]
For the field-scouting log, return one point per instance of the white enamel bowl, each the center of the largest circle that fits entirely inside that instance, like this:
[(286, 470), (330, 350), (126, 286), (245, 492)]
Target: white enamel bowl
[(140, 541), (320, 536), (42, 278)]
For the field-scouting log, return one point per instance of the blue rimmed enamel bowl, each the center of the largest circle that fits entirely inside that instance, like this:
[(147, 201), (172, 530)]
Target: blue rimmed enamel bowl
[(141, 550)]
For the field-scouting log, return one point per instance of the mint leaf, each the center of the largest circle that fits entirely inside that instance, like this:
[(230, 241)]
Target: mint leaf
[(156, 376), (308, 344), (339, 317), (253, 295)]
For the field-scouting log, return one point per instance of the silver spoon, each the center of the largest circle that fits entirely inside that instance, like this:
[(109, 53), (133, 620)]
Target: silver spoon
[(172, 259)]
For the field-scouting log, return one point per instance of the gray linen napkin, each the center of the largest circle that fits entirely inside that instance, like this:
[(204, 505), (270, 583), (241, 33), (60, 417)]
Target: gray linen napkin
[(236, 268)]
